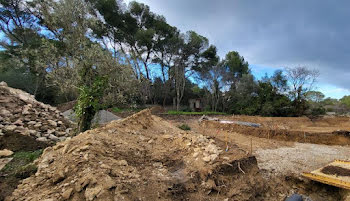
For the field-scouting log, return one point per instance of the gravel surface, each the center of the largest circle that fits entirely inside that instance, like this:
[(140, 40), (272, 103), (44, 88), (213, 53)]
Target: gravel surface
[(300, 158)]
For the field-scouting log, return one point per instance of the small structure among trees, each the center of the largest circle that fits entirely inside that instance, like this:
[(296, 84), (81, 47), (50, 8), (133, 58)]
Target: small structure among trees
[(195, 104)]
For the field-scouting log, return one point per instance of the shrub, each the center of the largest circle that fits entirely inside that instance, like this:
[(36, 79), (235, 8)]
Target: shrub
[(184, 127), (318, 111)]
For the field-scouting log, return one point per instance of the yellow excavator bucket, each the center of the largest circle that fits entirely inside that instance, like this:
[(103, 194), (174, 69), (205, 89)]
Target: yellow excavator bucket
[(336, 173)]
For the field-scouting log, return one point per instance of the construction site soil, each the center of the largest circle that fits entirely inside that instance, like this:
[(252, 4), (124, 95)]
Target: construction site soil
[(280, 158), (323, 130), (144, 157), (18, 142), (335, 170)]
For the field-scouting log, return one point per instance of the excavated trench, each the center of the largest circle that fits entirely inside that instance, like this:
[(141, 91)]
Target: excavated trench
[(333, 138)]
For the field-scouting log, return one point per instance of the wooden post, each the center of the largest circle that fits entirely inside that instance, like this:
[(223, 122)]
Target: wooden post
[(251, 146)]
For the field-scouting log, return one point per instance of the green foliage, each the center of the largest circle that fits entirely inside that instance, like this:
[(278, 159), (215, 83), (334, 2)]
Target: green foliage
[(346, 101), (302, 81), (18, 78), (329, 101), (21, 165), (272, 102), (235, 65), (242, 97), (89, 102), (314, 96), (28, 156), (330, 109), (184, 127), (120, 110), (265, 97), (318, 111), (117, 110)]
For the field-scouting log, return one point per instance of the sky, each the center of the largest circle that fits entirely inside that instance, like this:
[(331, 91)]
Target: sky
[(273, 34)]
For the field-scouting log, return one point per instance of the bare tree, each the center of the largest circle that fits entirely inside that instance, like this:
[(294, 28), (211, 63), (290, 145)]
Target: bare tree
[(302, 80)]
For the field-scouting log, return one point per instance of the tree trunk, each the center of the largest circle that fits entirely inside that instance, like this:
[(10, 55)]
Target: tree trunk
[(84, 123)]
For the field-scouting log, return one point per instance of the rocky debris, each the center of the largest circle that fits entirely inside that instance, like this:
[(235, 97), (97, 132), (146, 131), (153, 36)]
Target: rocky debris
[(243, 123), (21, 113), (4, 161), (141, 157), (204, 117), (5, 153)]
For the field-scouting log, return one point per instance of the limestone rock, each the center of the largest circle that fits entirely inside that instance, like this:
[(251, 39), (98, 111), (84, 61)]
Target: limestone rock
[(42, 139), (91, 193), (26, 109), (10, 127), (52, 123), (206, 158), (122, 162), (52, 137), (18, 122), (67, 193), (4, 112), (5, 153), (3, 84)]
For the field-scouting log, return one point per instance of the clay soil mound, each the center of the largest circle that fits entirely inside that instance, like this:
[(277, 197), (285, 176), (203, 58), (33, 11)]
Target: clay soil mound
[(142, 157)]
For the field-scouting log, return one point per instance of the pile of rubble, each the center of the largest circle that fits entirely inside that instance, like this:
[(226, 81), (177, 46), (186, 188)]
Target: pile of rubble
[(141, 157), (21, 113)]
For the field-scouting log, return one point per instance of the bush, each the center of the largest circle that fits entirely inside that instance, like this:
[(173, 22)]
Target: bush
[(318, 111), (330, 109), (116, 110), (184, 127), (187, 109)]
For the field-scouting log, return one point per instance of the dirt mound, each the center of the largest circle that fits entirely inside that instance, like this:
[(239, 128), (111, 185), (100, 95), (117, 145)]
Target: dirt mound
[(142, 157), (21, 113)]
